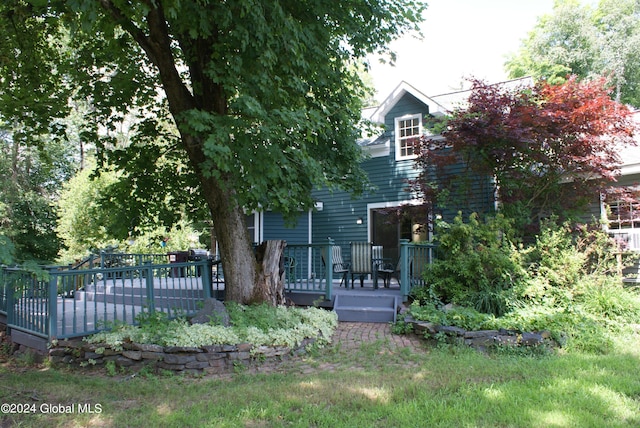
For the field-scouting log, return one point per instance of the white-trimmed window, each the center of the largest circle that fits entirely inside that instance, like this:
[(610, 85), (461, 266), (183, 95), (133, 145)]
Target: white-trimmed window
[(254, 223), (624, 215), (623, 222), (408, 131)]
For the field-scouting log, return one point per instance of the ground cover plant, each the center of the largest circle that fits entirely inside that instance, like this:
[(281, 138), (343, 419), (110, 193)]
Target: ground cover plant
[(567, 282), (259, 325)]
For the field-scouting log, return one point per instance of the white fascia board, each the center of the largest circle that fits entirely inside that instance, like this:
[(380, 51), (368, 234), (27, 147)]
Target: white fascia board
[(403, 88), (630, 169)]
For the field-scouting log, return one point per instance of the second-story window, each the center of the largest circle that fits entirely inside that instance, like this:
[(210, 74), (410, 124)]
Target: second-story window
[(408, 131)]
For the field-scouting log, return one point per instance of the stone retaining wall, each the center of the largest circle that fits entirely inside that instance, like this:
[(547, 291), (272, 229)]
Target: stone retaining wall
[(482, 339), (215, 359)]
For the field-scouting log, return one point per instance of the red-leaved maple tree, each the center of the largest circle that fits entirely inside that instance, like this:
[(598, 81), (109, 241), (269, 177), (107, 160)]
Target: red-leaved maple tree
[(548, 149)]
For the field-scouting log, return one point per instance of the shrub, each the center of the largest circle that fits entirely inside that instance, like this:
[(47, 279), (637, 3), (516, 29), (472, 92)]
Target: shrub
[(571, 327), (600, 250), (565, 283), (554, 257), (562, 258), (478, 263), (463, 317), (425, 295), (609, 300)]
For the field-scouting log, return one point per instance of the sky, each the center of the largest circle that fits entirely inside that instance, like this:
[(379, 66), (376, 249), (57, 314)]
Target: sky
[(462, 39)]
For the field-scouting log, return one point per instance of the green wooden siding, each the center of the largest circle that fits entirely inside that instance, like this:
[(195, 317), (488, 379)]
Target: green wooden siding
[(407, 105), (338, 219), (276, 228), (470, 193)]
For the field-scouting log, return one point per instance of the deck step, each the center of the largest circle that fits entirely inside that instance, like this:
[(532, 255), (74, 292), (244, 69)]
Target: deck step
[(359, 308)]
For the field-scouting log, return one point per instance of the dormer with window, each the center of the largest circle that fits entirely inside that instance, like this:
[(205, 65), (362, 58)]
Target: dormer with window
[(402, 115)]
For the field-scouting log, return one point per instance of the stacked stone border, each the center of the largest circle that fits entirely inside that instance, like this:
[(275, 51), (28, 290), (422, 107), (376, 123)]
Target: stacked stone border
[(133, 357), (482, 339)]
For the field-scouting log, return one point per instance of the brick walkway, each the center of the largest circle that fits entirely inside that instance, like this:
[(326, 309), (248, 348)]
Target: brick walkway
[(349, 339), (351, 335)]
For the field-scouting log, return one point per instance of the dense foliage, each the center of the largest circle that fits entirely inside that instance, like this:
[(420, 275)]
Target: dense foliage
[(91, 216), (7, 251), (476, 264), (567, 283), (32, 169), (586, 41), (548, 149)]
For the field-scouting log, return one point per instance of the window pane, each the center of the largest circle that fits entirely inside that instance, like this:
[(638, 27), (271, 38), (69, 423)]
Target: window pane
[(408, 130)]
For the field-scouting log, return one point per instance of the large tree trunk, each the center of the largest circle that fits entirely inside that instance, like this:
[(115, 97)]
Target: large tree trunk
[(237, 256), (269, 286), (238, 261)]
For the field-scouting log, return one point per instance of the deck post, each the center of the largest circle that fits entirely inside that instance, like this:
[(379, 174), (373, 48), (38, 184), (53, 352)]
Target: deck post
[(207, 281), (52, 295), (149, 285), (329, 270), (9, 296), (404, 269)]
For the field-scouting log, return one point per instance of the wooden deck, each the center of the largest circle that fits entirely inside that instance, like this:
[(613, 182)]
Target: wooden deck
[(122, 300)]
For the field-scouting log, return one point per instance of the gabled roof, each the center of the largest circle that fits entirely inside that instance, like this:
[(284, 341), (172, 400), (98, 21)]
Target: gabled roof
[(438, 104), (404, 88), (458, 99)]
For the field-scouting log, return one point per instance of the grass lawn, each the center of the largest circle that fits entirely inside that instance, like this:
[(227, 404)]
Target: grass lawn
[(376, 385)]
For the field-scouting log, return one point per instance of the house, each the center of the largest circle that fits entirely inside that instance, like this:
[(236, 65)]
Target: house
[(389, 163)]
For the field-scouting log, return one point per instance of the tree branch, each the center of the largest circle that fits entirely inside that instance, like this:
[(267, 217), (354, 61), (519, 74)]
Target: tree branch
[(157, 46), (129, 27)]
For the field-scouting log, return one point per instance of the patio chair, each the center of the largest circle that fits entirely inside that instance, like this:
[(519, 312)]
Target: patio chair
[(361, 261), (418, 261), (416, 265), (388, 270), (339, 266), (378, 261)]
